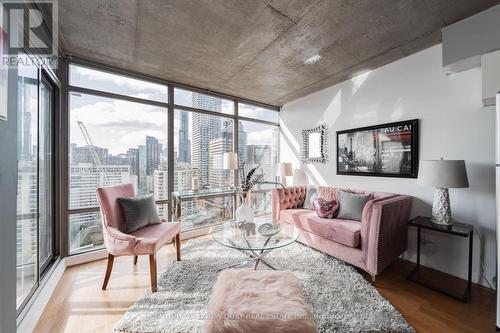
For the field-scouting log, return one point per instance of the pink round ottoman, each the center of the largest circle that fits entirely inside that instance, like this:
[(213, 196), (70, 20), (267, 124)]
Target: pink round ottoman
[(258, 301)]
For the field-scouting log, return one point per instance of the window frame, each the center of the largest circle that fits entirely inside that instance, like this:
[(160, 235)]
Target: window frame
[(171, 107), (47, 75)]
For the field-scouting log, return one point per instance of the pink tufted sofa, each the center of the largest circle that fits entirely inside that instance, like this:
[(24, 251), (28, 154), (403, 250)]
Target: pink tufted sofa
[(371, 244)]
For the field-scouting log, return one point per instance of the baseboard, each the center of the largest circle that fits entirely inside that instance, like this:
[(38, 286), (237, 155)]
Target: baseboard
[(28, 319), (83, 258), (474, 284)]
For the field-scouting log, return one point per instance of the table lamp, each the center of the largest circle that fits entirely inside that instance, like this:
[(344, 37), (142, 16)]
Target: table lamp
[(284, 170), (230, 161), (300, 177), (442, 175)]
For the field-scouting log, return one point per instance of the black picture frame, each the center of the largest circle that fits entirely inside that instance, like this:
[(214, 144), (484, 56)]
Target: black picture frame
[(377, 161)]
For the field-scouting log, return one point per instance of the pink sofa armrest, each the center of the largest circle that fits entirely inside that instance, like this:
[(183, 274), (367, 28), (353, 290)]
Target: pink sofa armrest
[(384, 230), (287, 198), (117, 242)]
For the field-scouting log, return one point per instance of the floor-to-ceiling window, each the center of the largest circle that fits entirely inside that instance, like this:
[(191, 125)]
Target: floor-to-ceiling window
[(27, 182), (118, 133), (46, 167), (36, 229), (203, 133), (258, 147)]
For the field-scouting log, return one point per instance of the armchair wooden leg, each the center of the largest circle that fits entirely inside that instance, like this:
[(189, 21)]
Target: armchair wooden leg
[(178, 246), (152, 271), (374, 278), (135, 260), (111, 259)]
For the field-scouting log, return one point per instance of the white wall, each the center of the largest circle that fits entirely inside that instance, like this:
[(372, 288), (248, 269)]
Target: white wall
[(453, 125)]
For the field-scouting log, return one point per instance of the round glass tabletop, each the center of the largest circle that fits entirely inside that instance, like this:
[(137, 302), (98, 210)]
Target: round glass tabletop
[(262, 236)]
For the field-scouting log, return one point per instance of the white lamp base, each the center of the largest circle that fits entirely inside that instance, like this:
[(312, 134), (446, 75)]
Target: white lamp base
[(283, 181), (441, 211)]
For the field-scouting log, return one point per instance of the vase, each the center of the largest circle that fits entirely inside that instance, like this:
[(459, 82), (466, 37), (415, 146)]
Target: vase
[(244, 212)]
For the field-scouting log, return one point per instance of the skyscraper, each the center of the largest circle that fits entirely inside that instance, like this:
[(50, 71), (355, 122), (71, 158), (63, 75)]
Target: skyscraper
[(259, 154), (141, 180), (205, 128), (153, 154), (85, 229), (242, 143), (218, 177), (133, 157), (24, 139), (184, 150), (83, 154)]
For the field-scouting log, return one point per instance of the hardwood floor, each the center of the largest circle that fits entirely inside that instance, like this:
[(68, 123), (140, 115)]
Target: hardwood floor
[(429, 311), (79, 304)]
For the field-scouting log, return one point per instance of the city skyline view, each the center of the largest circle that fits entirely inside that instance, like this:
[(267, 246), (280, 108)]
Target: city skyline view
[(115, 141), (126, 142)]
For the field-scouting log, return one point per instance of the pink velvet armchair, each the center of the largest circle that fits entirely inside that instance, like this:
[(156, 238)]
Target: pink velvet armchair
[(145, 241)]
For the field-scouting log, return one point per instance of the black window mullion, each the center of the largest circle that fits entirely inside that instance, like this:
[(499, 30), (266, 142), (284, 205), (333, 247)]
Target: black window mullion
[(38, 270)]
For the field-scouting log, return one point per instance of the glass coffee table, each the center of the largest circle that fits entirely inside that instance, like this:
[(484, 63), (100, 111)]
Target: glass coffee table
[(256, 243)]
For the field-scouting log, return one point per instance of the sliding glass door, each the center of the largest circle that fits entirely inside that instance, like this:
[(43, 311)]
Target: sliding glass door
[(35, 188), (27, 183), (46, 230)]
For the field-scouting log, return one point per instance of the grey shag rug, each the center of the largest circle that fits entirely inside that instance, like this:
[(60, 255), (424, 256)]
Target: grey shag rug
[(342, 300)]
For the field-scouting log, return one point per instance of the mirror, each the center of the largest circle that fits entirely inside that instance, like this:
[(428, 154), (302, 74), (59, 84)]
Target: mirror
[(314, 145)]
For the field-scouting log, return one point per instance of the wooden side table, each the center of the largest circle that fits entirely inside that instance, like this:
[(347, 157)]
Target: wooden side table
[(457, 229)]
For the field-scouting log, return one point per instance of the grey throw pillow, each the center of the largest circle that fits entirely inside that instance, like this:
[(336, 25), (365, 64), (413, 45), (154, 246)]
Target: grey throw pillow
[(351, 205), (139, 212), (311, 195)]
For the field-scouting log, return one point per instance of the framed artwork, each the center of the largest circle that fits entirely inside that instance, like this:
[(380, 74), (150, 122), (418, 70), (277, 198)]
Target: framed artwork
[(314, 145), (387, 150)]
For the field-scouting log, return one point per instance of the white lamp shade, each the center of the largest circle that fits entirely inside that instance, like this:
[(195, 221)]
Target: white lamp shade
[(285, 169), (230, 161), (443, 174), (300, 177)]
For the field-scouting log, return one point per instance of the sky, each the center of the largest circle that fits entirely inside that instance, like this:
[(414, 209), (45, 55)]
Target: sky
[(119, 125)]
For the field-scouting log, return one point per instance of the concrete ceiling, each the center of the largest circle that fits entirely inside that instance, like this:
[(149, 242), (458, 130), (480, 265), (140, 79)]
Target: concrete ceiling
[(263, 50)]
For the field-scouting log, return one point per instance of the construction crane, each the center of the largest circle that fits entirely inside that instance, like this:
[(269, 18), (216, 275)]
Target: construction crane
[(91, 147)]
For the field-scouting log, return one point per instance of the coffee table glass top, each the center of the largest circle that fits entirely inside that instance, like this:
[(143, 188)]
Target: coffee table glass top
[(238, 238)]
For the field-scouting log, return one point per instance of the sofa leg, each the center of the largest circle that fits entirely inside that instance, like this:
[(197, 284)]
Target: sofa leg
[(374, 278), (135, 260)]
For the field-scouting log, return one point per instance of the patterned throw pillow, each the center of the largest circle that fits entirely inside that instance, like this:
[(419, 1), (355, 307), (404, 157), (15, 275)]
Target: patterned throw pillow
[(328, 193), (326, 209)]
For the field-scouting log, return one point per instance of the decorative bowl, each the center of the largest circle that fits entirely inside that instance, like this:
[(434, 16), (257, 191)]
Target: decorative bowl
[(268, 229)]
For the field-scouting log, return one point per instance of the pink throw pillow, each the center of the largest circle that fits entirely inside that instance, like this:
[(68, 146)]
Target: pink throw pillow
[(328, 193), (325, 208)]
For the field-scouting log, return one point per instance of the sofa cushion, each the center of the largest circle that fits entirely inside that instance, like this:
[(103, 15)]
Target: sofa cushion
[(153, 237), (345, 232)]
